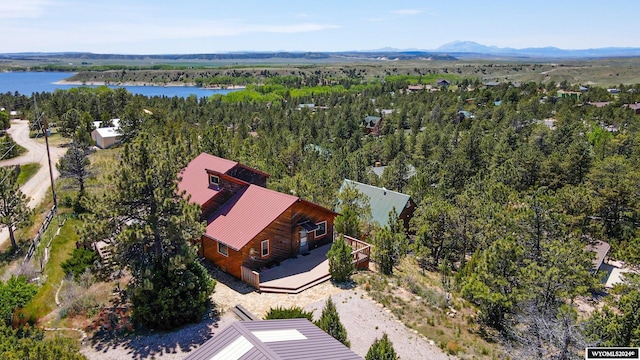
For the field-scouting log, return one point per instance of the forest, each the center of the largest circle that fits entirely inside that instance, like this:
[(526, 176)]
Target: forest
[(514, 183)]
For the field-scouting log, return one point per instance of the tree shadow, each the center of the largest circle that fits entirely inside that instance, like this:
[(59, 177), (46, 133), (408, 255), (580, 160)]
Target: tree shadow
[(146, 343), (345, 285)]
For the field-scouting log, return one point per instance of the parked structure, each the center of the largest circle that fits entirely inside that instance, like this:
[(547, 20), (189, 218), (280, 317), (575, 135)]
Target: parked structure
[(250, 227)]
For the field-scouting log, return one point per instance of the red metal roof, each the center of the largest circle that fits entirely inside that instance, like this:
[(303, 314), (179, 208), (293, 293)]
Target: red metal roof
[(245, 215), (195, 180)]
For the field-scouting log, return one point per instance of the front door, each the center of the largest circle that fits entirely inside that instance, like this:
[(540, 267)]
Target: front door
[(304, 247)]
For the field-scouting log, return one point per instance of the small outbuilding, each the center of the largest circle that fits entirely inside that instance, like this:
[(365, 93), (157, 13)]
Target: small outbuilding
[(105, 137)]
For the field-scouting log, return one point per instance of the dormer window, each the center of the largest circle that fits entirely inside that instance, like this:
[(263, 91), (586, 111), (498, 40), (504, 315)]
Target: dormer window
[(214, 180)]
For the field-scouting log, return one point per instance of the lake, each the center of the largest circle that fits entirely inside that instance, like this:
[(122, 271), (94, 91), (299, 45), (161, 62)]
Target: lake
[(27, 83)]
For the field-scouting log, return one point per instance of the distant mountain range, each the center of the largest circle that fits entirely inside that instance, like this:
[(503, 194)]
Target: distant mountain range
[(450, 51), (470, 47), (388, 55)]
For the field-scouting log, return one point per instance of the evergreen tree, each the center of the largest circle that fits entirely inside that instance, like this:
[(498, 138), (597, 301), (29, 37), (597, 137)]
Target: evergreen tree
[(382, 349), (330, 322), (169, 287), (13, 203), (74, 164), (340, 260), (383, 251)]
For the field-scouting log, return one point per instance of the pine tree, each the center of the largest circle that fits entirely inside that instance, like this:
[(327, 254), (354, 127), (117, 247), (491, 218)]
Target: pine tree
[(13, 203), (74, 165), (169, 287), (340, 260), (330, 322), (382, 349)]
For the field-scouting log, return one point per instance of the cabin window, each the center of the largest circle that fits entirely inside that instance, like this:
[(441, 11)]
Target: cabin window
[(214, 180), (265, 248), (321, 229), (223, 249)]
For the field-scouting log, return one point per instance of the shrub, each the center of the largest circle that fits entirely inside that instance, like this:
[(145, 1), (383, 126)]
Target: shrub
[(452, 347), (293, 312), (14, 294), (80, 260)]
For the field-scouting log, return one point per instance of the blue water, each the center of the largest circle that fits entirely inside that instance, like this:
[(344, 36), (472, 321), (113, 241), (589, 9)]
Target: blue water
[(27, 83)]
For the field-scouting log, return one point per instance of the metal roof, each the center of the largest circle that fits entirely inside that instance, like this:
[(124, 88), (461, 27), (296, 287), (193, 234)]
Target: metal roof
[(246, 214), (195, 179), (600, 248), (295, 339), (381, 200)]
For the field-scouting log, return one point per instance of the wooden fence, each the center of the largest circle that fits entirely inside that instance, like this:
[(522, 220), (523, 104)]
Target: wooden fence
[(38, 237), (250, 277)]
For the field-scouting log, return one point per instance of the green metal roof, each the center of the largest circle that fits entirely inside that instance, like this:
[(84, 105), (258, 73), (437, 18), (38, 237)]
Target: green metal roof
[(381, 200)]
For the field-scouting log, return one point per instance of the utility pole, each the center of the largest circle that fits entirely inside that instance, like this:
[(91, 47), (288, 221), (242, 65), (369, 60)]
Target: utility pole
[(45, 131)]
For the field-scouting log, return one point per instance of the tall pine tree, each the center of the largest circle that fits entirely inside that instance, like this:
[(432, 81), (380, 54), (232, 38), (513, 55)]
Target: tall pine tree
[(169, 287)]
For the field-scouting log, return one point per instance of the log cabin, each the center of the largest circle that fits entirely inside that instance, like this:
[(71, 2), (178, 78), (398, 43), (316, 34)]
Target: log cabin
[(249, 225)]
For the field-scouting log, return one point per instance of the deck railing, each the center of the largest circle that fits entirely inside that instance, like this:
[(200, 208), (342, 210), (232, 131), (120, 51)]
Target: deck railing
[(361, 251), (250, 277)]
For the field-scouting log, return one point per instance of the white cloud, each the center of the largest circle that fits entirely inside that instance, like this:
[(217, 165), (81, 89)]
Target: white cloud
[(20, 9), (408, 12), (209, 29)]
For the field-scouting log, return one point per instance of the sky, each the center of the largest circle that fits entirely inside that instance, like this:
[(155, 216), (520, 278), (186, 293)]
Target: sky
[(212, 26)]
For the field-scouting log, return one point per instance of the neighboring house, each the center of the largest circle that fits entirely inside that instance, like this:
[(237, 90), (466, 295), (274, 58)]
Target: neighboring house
[(462, 115), (491, 84), (273, 340), (600, 248), (248, 225), (443, 82), (635, 107), (613, 91), (599, 104), (549, 122), (106, 137), (382, 201), (379, 170), (306, 106), (564, 94), (412, 88), (372, 125)]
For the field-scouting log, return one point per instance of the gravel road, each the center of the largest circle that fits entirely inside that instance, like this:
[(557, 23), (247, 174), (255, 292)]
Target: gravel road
[(39, 184)]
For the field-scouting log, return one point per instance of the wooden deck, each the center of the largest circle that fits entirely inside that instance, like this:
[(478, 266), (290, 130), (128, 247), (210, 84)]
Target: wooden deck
[(293, 276)]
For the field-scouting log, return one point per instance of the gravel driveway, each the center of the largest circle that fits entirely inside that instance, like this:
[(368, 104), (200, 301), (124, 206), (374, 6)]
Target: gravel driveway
[(363, 318)]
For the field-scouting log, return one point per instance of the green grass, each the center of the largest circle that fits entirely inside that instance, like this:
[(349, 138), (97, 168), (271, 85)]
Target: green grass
[(27, 171), (61, 248)]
